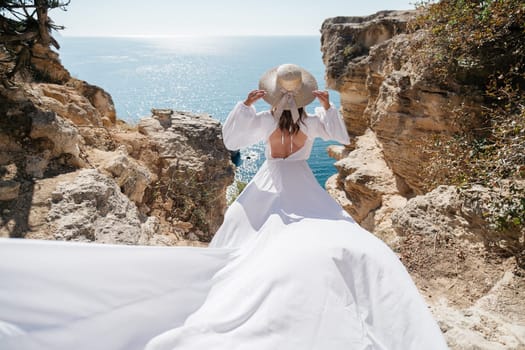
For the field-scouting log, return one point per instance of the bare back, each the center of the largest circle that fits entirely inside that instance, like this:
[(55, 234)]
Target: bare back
[(283, 144)]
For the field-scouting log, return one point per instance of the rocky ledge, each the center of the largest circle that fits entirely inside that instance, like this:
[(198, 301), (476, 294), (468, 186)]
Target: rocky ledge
[(392, 105), (70, 170)]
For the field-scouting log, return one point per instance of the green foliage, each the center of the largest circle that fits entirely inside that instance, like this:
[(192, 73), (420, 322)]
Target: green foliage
[(189, 193), (508, 214), (498, 217), (354, 50), (480, 46), (22, 20), (475, 39), (239, 187), (24, 23)]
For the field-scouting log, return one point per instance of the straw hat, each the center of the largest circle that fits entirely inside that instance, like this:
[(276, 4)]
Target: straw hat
[(288, 86)]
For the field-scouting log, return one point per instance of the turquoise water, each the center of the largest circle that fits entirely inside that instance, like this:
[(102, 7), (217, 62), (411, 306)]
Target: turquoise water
[(198, 74)]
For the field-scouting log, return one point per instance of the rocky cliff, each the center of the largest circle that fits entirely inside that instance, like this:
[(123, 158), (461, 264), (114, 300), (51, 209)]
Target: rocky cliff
[(71, 170), (393, 106)]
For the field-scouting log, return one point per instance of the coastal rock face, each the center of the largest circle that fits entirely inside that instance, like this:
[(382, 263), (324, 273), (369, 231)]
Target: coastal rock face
[(364, 185), (70, 102), (36, 139), (192, 165), (393, 106), (383, 89), (345, 42), (47, 64), (162, 183), (462, 213), (449, 249), (86, 106), (61, 136)]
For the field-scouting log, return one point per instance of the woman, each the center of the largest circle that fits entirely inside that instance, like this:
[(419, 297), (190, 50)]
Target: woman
[(305, 275), (288, 269)]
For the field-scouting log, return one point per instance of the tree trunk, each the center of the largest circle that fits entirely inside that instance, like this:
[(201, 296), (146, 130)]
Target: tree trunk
[(43, 28)]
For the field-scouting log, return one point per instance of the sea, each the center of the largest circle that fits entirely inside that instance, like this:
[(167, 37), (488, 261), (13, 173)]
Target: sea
[(196, 74)]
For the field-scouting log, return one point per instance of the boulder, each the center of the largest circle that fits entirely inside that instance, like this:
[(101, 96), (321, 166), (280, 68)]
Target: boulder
[(132, 177), (59, 139), (92, 208)]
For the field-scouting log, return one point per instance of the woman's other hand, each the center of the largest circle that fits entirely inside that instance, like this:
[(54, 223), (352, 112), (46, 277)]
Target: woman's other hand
[(323, 98), (253, 96)]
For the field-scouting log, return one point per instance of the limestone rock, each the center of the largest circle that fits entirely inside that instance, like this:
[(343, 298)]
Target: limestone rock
[(91, 113), (433, 213), (99, 99), (365, 183), (387, 93), (36, 139), (479, 305), (460, 212), (67, 102), (365, 177), (495, 321), (9, 190), (46, 62), (339, 152), (63, 135), (345, 42), (193, 167), (53, 124), (36, 164), (7, 150), (132, 177), (36, 213), (369, 61), (56, 83), (92, 208), (61, 139)]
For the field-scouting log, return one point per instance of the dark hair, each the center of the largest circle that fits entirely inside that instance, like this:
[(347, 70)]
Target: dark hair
[(286, 121)]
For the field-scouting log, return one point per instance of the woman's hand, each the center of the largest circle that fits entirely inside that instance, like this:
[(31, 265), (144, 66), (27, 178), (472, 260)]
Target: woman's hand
[(253, 96), (323, 98)]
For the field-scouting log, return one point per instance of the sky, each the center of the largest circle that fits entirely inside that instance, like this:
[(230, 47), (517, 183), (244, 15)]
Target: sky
[(210, 17)]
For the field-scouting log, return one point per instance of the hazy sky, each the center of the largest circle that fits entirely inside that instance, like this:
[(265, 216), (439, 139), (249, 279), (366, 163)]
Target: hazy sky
[(210, 17)]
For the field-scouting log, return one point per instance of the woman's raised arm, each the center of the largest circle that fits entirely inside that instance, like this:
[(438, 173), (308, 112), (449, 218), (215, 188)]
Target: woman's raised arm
[(327, 124), (243, 126)]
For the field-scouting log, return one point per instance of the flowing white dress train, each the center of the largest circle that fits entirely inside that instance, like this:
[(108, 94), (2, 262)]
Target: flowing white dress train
[(288, 269)]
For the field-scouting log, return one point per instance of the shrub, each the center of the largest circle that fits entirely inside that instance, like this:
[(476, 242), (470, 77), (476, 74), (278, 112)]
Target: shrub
[(480, 46), (235, 190)]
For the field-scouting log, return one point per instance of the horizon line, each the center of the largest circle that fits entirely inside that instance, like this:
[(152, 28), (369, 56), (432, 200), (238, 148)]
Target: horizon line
[(180, 35)]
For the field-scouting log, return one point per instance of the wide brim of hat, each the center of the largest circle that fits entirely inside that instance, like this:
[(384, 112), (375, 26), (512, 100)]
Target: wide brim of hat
[(304, 96)]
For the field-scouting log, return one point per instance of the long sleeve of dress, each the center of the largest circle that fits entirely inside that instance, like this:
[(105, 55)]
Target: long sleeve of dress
[(328, 125), (245, 127)]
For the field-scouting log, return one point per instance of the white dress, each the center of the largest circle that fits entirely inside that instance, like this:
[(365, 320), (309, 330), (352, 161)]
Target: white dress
[(288, 269)]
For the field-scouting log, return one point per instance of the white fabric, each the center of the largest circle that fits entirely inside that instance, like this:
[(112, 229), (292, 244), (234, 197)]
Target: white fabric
[(288, 269)]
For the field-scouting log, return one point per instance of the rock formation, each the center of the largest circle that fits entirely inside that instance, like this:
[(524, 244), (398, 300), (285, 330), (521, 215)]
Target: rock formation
[(192, 168), (163, 182), (92, 208), (392, 106)]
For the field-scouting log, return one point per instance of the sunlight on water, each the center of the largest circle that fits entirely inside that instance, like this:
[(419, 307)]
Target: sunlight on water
[(193, 45)]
